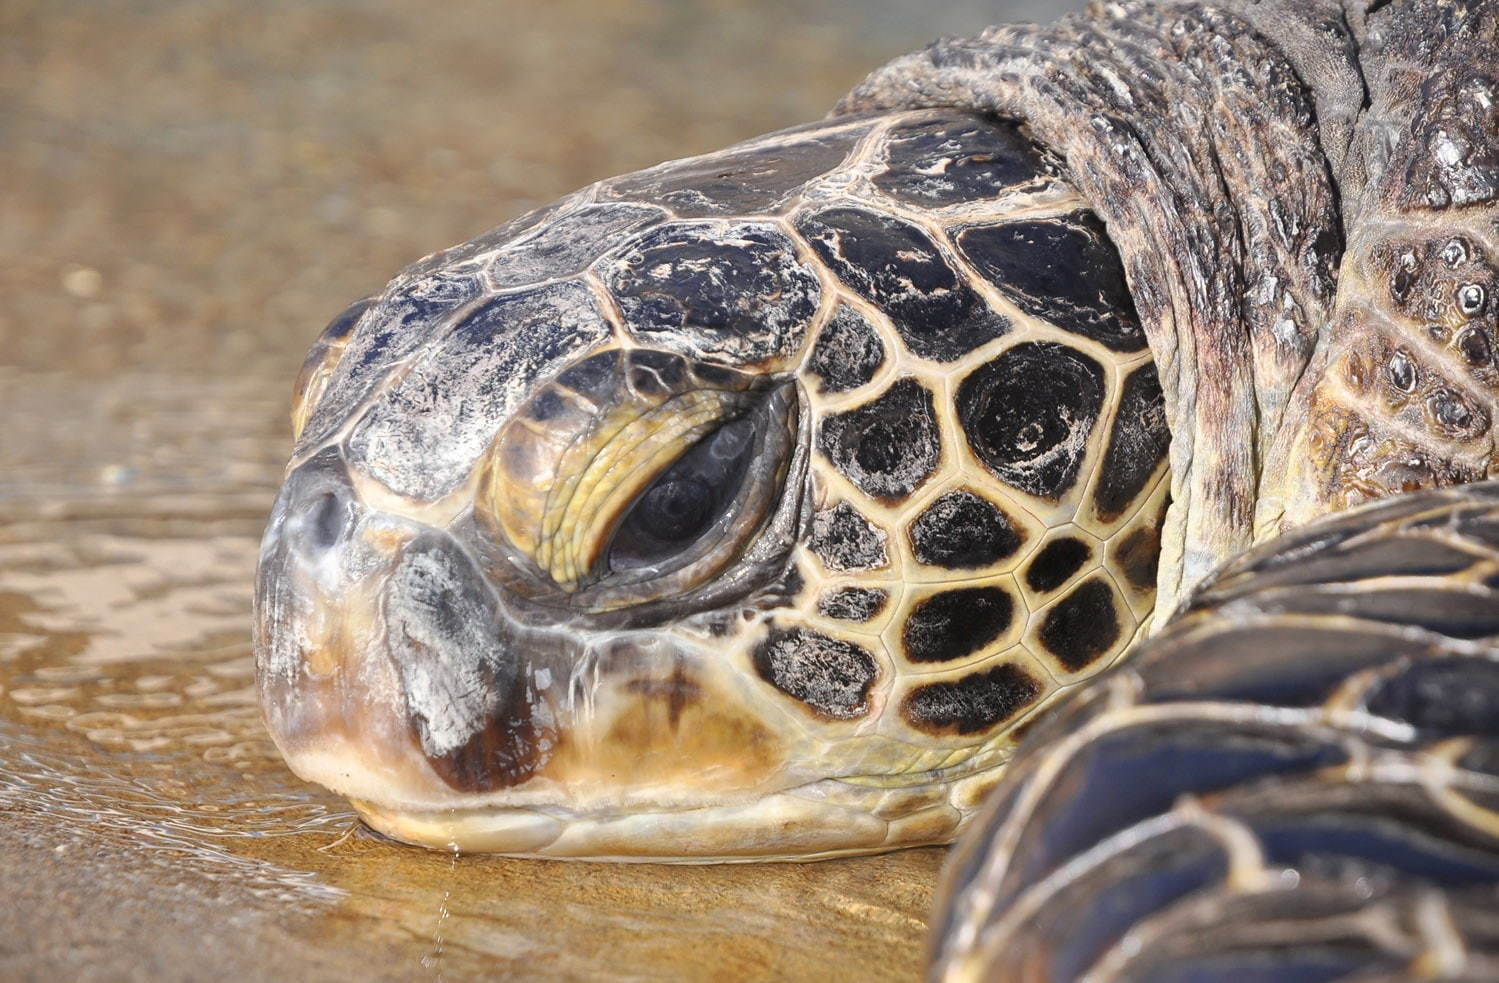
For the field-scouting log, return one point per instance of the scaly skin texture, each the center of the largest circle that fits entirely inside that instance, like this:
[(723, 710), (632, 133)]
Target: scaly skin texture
[(1242, 154), (1192, 137), (1407, 396), (1296, 778)]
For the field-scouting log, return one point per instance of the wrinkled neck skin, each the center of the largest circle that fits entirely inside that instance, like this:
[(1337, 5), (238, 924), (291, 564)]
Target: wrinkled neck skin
[(1305, 195)]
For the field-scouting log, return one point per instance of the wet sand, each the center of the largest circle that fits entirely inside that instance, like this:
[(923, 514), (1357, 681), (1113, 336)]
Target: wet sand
[(192, 190)]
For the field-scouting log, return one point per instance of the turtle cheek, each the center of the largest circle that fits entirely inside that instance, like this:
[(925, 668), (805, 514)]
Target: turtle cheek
[(667, 721), (476, 716)]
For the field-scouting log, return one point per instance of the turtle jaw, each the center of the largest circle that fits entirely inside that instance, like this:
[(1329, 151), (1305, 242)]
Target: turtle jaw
[(813, 822), (395, 671)]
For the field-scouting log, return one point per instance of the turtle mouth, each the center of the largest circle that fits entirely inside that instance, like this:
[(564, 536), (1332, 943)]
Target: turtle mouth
[(820, 819), (797, 824)]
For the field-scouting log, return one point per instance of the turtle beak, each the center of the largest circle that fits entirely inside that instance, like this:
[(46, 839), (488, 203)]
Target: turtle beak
[(384, 662)]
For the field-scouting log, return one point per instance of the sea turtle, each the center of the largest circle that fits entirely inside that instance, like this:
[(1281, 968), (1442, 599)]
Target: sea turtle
[(740, 507), (756, 504)]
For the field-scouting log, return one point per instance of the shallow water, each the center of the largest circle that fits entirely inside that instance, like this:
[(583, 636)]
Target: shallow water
[(192, 190)]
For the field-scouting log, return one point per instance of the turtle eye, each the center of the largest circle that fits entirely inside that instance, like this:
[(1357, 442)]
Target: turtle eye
[(629, 487), (687, 502)]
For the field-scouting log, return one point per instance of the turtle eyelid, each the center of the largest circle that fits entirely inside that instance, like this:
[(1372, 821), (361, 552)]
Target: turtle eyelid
[(687, 502)]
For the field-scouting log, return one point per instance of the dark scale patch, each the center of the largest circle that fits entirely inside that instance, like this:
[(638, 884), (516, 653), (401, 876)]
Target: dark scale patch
[(1027, 415), (736, 293), (1138, 444), (491, 240), (956, 623), (342, 326), (958, 159), (1373, 842), (1063, 270), (1140, 770), (961, 531), (1457, 614), (1285, 665), (595, 377), (1083, 626), (569, 244), (460, 677), (1390, 555), (897, 267), (830, 675), (1056, 563), (1444, 283), (667, 371), (740, 181), (972, 704), (1444, 696), (887, 447), (1269, 963), (1475, 348), (1110, 899), (846, 541), (1449, 159), (853, 603), (546, 405), (337, 332), (792, 583), (848, 352)]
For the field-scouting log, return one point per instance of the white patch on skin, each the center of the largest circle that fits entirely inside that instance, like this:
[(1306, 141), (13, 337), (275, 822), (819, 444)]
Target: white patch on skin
[(444, 643), (1448, 152), (426, 435)]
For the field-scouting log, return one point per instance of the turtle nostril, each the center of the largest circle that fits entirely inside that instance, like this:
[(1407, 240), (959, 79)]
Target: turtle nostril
[(329, 518)]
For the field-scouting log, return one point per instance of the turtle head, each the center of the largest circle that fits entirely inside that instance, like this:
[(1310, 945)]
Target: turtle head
[(741, 507), (558, 637)]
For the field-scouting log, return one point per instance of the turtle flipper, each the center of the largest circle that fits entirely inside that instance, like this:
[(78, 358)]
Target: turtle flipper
[(1300, 775)]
